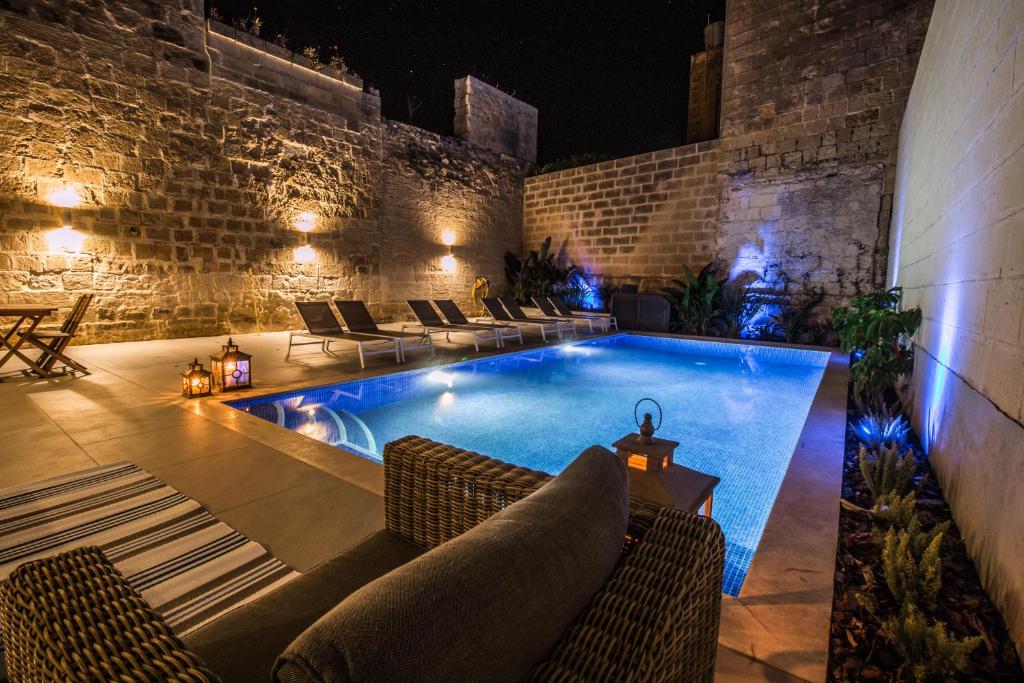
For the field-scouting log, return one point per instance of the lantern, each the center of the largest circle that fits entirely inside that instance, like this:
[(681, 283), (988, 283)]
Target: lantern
[(196, 381), (653, 474), (232, 369)]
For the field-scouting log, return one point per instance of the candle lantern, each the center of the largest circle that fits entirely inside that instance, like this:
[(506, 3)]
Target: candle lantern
[(653, 474), (196, 381), (232, 369)]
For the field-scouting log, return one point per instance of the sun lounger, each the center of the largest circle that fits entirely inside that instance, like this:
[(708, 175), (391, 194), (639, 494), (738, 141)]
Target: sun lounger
[(453, 314), (499, 314), (358, 319), (563, 309), (513, 308), (548, 309), (431, 322), (322, 327)]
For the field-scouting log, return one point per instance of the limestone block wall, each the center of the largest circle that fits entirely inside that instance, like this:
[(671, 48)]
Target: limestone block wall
[(194, 151), (636, 219), (958, 251), (490, 118), (799, 186), (813, 94)]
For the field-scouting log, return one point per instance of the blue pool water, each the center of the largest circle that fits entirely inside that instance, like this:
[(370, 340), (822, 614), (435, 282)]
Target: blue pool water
[(737, 410)]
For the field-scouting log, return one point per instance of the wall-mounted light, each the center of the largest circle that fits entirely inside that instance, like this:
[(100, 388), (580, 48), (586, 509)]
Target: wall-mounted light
[(305, 222), (305, 254), (448, 264), (65, 238)]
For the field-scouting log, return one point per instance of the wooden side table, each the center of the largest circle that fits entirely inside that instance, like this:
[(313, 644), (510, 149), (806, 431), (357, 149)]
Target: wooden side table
[(653, 475)]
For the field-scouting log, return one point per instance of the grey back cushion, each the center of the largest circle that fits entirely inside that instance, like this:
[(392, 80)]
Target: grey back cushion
[(486, 606)]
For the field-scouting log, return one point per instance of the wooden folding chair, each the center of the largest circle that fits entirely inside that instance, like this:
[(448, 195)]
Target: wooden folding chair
[(53, 342)]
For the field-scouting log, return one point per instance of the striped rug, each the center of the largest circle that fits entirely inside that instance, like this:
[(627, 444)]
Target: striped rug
[(188, 566)]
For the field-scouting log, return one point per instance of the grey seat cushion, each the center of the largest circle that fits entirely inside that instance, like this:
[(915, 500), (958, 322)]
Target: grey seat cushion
[(242, 645), (486, 606)]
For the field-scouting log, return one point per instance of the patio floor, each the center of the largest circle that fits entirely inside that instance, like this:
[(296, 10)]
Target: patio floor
[(307, 502)]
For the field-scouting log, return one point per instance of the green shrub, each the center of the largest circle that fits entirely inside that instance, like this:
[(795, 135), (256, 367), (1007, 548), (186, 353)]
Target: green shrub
[(911, 562), (893, 510), (873, 325), (927, 649), (540, 274), (886, 471), (697, 300)]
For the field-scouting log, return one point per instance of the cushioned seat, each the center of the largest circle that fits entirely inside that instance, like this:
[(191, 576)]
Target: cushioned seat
[(242, 645), (487, 605)]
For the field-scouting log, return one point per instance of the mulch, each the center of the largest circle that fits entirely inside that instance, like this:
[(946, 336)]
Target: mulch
[(857, 651)]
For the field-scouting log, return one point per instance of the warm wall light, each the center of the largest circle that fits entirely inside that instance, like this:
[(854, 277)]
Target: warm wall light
[(448, 263), (66, 197), (305, 221), (65, 239), (305, 254), (448, 238)]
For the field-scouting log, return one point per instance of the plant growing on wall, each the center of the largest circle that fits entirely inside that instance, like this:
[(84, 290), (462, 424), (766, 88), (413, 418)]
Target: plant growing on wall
[(539, 274), (877, 331)]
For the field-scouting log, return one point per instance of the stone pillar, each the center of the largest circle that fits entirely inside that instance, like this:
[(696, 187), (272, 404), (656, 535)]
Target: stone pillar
[(705, 102)]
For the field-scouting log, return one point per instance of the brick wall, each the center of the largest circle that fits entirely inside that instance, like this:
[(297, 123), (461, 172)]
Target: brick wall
[(640, 218), (813, 95), (194, 152), (958, 251), (812, 99), (490, 118)]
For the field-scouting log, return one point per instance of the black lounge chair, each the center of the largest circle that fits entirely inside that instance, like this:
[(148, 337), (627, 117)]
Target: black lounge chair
[(499, 314), (453, 314), (563, 309), (358, 319), (322, 327), (517, 313), (431, 322), (548, 309)]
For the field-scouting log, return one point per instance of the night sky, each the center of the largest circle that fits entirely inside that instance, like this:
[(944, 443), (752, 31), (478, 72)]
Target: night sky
[(609, 77)]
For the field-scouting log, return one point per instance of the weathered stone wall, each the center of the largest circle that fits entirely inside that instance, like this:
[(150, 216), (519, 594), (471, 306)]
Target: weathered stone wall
[(958, 252), (490, 118), (435, 184), (639, 219), (813, 95), (812, 99), (194, 153)]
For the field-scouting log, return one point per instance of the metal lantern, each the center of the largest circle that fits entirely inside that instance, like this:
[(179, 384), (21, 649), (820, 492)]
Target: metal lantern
[(232, 369), (196, 381)]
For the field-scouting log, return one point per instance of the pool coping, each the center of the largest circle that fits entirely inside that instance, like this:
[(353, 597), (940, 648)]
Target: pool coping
[(781, 617)]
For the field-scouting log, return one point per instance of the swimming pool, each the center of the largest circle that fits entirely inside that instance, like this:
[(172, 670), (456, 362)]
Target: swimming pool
[(736, 409)]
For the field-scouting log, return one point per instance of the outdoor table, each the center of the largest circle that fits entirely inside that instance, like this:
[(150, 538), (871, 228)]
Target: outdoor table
[(28, 318)]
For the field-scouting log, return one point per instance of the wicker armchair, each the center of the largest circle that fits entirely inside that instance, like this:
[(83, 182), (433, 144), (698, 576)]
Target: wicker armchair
[(655, 619)]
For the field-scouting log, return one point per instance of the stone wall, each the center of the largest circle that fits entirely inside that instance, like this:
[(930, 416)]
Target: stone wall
[(813, 95), (637, 219), (490, 118), (812, 99), (194, 152), (958, 252), (704, 104)]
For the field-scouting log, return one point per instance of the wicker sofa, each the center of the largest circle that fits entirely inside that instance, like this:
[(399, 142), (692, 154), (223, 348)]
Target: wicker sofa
[(655, 618)]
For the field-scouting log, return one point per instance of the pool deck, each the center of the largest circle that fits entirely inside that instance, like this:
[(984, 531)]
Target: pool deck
[(307, 501)]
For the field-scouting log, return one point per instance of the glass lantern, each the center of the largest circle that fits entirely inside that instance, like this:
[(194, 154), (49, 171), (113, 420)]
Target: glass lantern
[(196, 381), (232, 369)]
